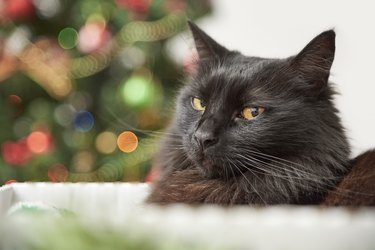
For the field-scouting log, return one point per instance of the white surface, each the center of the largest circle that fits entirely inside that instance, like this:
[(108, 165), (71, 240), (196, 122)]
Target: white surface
[(89, 199), (273, 28), (244, 227)]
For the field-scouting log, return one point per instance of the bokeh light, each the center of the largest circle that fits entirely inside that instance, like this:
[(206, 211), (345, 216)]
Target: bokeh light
[(94, 35), (64, 114), (16, 153), (38, 142), (39, 109), (106, 142), (132, 57), (127, 142), (14, 99), (68, 38), (47, 8), (84, 121), (138, 91), (22, 127), (58, 173), (83, 162)]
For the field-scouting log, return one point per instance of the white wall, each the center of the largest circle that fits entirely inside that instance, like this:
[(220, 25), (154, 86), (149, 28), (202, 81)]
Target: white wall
[(272, 28)]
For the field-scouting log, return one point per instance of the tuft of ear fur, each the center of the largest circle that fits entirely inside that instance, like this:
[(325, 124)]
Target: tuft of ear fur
[(315, 60), (207, 47)]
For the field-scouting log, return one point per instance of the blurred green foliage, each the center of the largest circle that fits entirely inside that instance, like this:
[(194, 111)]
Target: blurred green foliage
[(71, 70)]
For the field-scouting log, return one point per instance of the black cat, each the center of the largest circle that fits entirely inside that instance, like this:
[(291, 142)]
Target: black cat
[(250, 130)]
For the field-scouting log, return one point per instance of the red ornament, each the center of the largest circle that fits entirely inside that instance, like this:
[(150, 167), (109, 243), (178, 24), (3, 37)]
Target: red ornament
[(17, 9), (140, 6), (16, 153)]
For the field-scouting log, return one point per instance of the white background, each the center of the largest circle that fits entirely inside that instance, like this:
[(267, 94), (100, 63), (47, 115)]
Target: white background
[(271, 28)]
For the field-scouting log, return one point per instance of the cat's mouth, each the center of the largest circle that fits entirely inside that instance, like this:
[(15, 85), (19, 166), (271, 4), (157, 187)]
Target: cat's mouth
[(207, 164), (208, 167)]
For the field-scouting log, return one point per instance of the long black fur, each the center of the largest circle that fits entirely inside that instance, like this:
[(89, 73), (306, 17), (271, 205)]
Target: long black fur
[(293, 153)]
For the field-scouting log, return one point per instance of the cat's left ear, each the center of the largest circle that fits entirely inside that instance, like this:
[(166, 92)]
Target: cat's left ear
[(315, 60), (207, 47)]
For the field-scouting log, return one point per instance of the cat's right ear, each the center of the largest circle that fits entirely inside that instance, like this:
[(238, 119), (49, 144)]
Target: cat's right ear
[(207, 47)]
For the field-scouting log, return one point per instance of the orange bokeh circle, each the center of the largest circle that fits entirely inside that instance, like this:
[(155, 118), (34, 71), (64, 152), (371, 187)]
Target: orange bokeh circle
[(127, 142)]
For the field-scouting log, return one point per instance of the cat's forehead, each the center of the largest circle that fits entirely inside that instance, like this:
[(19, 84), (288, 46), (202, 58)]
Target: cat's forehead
[(239, 76)]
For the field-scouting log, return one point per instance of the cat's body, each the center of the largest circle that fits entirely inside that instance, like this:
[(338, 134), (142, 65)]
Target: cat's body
[(250, 130)]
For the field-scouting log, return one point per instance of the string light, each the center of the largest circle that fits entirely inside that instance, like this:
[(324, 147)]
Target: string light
[(127, 142)]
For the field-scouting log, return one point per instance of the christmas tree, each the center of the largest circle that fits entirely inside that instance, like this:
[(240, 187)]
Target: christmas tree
[(86, 85)]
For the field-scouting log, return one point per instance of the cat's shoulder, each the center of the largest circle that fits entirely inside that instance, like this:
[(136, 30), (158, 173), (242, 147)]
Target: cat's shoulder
[(358, 186)]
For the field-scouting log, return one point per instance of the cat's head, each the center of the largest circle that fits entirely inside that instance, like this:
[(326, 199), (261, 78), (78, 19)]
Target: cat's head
[(237, 108)]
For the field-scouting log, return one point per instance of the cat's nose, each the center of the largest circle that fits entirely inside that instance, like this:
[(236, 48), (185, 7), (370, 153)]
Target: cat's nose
[(205, 139)]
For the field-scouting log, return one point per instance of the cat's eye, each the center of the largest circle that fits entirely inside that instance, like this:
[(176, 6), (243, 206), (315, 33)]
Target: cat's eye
[(250, 113), (198, 104)]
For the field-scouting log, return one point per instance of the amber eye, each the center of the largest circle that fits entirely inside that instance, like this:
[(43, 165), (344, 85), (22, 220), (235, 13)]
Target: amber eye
[(250, 113), (198, 104)]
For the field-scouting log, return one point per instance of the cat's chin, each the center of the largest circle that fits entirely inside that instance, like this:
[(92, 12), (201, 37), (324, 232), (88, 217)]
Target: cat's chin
[(207, 168)]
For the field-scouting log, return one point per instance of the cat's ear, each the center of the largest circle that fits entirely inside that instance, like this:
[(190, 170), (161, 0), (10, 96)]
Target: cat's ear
[(207, 47), (315, 60)]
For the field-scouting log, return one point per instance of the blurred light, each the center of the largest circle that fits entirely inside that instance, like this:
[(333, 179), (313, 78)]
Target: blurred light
[(64, 114), (132, 57), (14, 99), (61, 87), (93, 36), (110, 171), (127, 142), (17, 9), (22, 127), (106, 142), (18, 40), (38, 142), (48, 65), (138, 91), (80, 100), (74, 139), (48, 8), (84, 121), (153, 175), (141, 6), (68, 38), (40, 109), (10, 182), (58, 173), (190, 62), (16, 153), (83, 162), (16, 102)]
